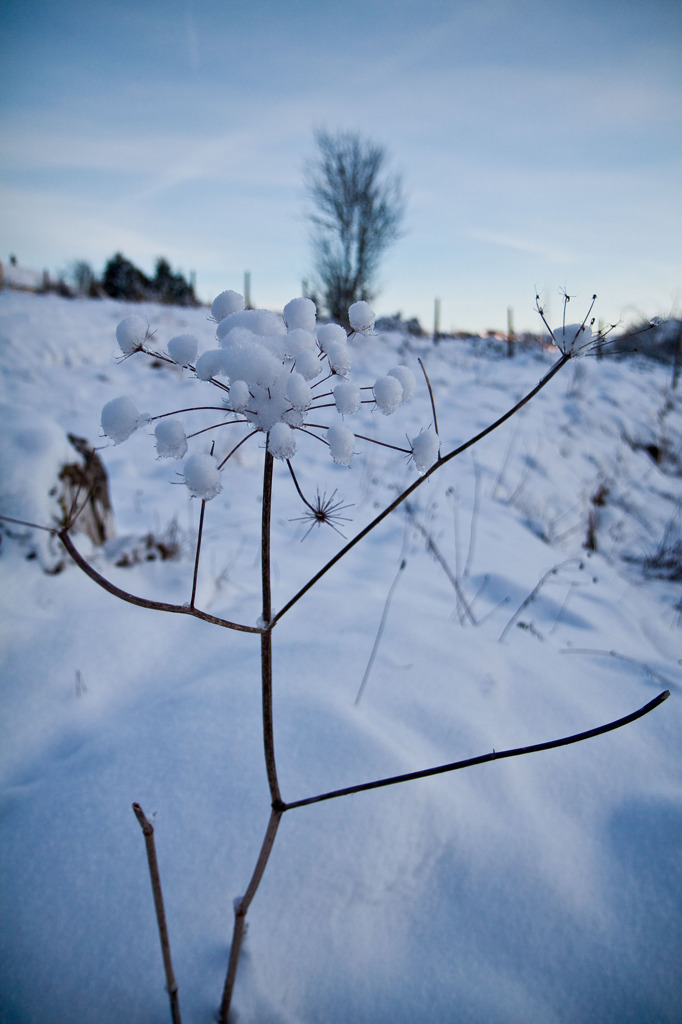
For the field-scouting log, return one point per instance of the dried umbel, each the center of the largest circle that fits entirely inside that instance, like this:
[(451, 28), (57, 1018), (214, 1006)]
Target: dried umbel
[(276, 375)]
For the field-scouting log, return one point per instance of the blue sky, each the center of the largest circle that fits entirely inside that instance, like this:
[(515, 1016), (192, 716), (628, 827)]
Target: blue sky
[(540, 144)]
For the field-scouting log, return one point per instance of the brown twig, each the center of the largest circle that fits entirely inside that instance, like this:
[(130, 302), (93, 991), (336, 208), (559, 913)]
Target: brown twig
[(171, 985)]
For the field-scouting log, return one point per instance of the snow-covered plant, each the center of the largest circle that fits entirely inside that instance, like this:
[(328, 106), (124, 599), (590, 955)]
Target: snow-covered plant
[(274, 375), (284, 382)]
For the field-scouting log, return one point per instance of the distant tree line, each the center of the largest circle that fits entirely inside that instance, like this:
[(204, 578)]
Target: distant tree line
[(121, 279)]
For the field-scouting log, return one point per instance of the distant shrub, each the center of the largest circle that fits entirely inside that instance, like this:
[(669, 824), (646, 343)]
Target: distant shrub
[(171, 288), (123, 280)]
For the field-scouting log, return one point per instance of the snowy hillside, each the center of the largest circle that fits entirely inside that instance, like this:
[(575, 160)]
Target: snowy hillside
[(535, 592)]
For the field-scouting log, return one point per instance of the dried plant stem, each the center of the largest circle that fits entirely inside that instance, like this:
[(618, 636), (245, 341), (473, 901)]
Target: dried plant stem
[(438, 464), (495, 755), (242, 906), (200, 532), (143, 602), (171, 985), (533, 594), (240, 911), (266, 636), (440, 558), (377, 639), (433, 404)]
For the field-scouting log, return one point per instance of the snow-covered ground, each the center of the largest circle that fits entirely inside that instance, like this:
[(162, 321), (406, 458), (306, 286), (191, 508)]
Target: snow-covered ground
[(538, 890)]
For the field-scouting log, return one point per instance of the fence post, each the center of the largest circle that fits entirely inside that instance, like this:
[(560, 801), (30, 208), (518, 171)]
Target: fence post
[(436, 320)]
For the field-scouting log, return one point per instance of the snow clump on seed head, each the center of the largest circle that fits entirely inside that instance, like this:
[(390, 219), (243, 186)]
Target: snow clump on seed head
[(183, 349), (226, 303), (131, 334), (572, 337), (361, 318), (341, 442), (388, 394), (406, 378), (281, 441), (328, 333), (171, 440), (347, 397), (425, 450), (300, 313), (202, 476), (120, 419)]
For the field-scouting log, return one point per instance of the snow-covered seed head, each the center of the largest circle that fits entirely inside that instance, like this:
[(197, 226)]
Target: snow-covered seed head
[(183, 349), (347, 397), (171, 440), (425, 449), (281, 441), (406, 378), (298, 391), (308, 364), (211, 364), (338, 355), (120, 419), (572, 337), (361, 317), (202, 476), (300, 313), (131, 334), (328, 333), (341, 442), (388, 394), (226, 303), (298, 340), (239, 395)]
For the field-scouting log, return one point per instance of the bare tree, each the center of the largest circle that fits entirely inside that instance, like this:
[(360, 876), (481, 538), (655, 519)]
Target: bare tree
[(357, 211)]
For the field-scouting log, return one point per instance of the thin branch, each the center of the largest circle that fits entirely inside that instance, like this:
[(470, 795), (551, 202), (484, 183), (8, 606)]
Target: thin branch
[(533, 594), (380, 631), (171, 985), (433, 404), (237, 446), (440, 558), (483, 758), (197, 554), (297, 486), (657, 676), (33, 526), (266, 636), (441, 461), (143, 602), (474, 520)]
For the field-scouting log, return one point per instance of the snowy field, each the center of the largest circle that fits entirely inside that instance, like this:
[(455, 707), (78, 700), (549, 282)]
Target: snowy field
[(539, 890)]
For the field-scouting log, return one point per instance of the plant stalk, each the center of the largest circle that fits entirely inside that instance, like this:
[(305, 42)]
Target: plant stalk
[(242, 906), (171, 985), (240, 911)]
